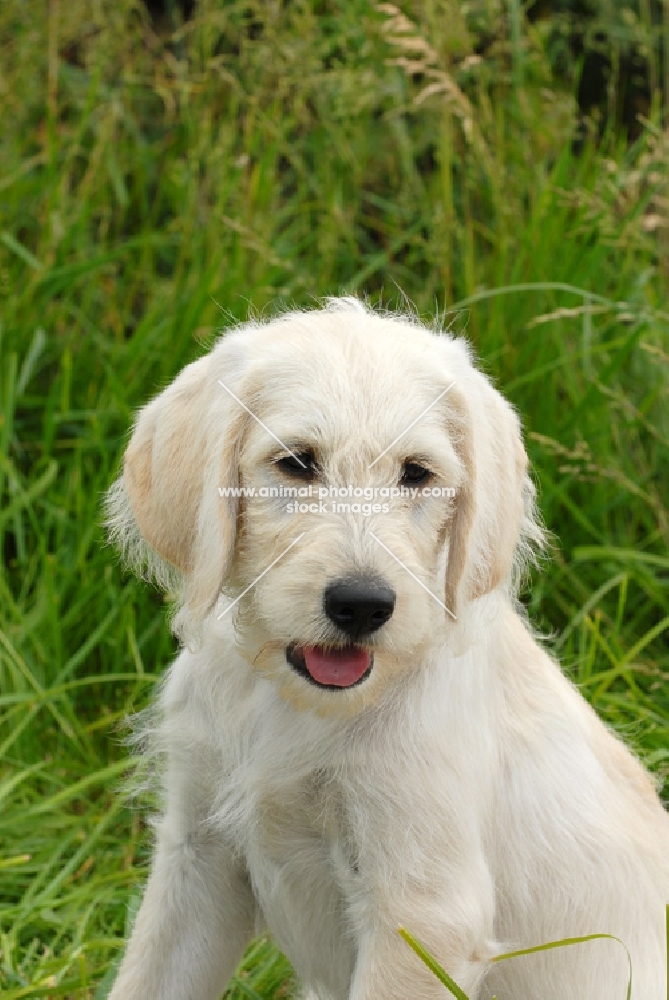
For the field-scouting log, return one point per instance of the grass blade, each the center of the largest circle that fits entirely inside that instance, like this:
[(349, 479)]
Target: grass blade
[(432, 964)]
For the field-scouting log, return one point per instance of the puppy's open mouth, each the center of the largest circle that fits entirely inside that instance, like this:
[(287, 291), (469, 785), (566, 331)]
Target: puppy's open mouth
[(331, 668)]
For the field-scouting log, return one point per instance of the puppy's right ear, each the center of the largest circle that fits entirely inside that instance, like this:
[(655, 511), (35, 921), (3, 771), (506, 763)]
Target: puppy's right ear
[(165, 511), (162, 466)]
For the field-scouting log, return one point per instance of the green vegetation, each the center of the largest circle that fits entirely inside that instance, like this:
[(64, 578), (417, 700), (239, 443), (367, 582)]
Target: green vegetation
[(154, 185)]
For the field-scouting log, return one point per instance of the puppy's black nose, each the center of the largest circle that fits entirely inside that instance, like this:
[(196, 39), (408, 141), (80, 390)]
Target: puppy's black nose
[(359, 607)]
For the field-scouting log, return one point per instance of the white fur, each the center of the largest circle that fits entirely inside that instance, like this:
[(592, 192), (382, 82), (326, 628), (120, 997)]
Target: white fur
[(465, 790)]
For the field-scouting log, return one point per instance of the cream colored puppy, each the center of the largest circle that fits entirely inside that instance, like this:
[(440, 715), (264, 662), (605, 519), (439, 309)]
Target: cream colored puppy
[(361, 732)]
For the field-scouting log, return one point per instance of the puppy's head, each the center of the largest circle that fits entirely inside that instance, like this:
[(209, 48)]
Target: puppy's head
[(342, 485)]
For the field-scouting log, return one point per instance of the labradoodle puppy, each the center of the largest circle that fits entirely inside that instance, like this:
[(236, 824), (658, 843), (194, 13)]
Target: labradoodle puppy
[(361, 731)]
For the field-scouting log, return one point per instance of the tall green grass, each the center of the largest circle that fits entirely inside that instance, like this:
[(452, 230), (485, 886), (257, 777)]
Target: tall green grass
[(154, 187)]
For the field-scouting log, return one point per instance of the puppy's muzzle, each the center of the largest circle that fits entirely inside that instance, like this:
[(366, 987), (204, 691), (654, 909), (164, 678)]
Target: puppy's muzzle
[(358, 607)]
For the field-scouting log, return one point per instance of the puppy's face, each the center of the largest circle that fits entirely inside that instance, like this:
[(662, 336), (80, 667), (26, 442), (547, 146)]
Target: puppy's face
[(350, 511), (381, 482)]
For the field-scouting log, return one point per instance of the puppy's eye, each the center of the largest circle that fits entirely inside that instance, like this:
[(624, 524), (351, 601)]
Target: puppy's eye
[(413, 474), (302, 465)]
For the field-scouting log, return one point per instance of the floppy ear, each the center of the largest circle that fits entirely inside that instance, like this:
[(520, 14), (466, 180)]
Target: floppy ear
[(165, 508), (496, 492)]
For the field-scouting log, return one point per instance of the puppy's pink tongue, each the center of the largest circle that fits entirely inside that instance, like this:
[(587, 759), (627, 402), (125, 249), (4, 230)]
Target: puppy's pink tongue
[(338, 667)]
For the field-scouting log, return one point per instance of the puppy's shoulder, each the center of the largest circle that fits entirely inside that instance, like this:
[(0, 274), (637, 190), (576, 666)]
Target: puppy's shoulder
[(208, 678)]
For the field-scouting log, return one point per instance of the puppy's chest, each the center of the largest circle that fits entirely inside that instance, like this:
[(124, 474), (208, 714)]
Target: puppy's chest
[(304, 826), (303, 866)]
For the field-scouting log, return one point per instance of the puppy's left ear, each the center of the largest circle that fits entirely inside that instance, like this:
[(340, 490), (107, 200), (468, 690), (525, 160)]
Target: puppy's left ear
[(165, 511), (494, 506)]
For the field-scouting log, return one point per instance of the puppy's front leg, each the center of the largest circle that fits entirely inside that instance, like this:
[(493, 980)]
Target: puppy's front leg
[(388, 969), (195, 920), (198, 910), (451, 913)]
